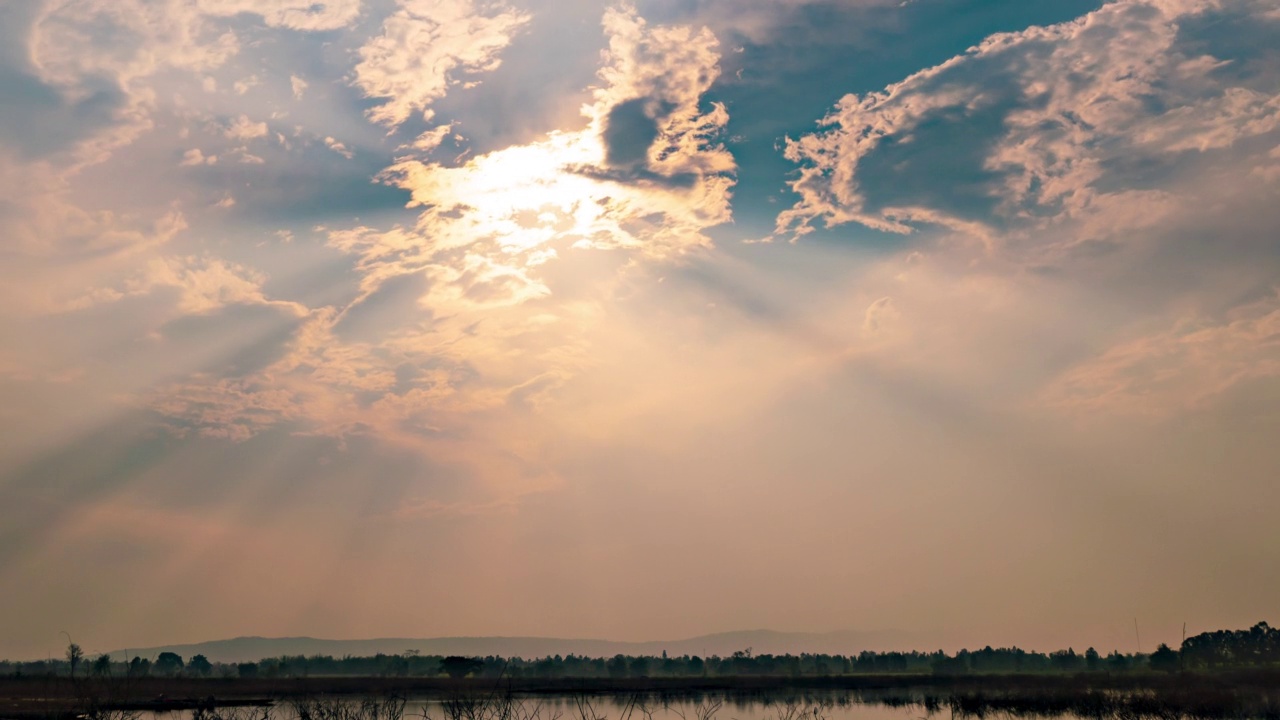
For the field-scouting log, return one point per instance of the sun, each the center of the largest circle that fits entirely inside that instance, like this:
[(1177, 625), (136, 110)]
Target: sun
[(522, 197)]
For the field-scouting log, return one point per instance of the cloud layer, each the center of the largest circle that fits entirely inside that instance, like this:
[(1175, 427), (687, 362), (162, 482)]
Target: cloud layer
[(466, 300)]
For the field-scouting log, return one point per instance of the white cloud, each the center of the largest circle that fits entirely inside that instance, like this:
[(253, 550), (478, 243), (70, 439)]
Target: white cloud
[(1066, 112), (243, 86), (338, 147), (424, 45), (75, 41), (293, 14), (81, 46), (566, 189), (475, 301), (298, 85), (243, 129), (432, 139), (195, 156), (1113, 160), (204, 284)]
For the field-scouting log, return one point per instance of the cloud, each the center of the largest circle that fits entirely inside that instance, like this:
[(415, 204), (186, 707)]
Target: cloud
[(73, 42), (1112, 162), (243, 129), (243, 86), (83, 48), (469, 321), (292, 14), (1081, 227), (573, 188), (195, 156), (880, 314), (1184, 368), (43, 220), (424, 46), (206, 284), (338, 147), (203, 285), (762, 21), (1073, 124)]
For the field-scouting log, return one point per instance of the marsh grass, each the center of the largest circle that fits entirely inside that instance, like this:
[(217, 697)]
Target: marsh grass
[(1253, 695)]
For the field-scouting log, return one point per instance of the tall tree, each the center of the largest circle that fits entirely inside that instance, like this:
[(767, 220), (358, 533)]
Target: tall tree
[(74, 656)]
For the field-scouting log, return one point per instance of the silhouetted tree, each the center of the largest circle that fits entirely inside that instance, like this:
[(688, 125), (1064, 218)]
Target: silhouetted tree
[(138, 667), (456, 666), (1091, 659), (200, 665), (1164, 659), (639, 667), (168, 663), (1117, 662), (617, 666), (74, 656), (102, 666), (1259, 644), (1066, 660), (697, 667)]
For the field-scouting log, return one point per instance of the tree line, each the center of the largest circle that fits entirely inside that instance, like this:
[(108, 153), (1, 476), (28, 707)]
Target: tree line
[(1257, 646)]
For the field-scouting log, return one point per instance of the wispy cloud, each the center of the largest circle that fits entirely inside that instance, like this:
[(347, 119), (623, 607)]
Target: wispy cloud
[(466, 323), (1057, 120), (292, 14), (1091, 154), (423, 48), (1185, 368)]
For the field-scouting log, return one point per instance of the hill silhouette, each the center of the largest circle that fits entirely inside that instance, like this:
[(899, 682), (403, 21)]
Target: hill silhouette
[(246, 649)]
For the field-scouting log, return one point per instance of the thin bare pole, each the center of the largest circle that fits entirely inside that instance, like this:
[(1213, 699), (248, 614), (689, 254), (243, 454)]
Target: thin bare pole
[(1182, 646)]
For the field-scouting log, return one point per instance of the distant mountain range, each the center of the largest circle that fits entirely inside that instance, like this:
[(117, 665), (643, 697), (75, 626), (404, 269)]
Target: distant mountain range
[(246, 649)]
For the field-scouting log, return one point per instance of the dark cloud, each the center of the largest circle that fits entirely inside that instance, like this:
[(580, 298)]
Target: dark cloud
[(631, 128)]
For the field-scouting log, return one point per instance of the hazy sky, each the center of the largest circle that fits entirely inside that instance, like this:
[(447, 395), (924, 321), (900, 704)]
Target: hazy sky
[(638, 320)]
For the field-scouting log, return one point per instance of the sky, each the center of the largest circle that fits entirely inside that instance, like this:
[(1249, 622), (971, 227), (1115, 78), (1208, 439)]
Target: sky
[(638, 320)]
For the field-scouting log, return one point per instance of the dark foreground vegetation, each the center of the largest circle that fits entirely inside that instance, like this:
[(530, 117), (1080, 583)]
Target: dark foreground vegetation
[(1133, 696), (1226, 674)]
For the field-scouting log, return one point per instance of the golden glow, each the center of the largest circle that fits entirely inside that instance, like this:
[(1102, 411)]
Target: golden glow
[(525, 196)]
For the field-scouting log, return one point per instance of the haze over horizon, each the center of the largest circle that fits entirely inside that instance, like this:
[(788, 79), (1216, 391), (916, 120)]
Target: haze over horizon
[(638, 319), (758, 642), (722, 644)]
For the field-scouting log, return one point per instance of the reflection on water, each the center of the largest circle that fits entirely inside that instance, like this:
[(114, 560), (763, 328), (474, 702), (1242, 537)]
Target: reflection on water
[(1007, 699), (809, 706)]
